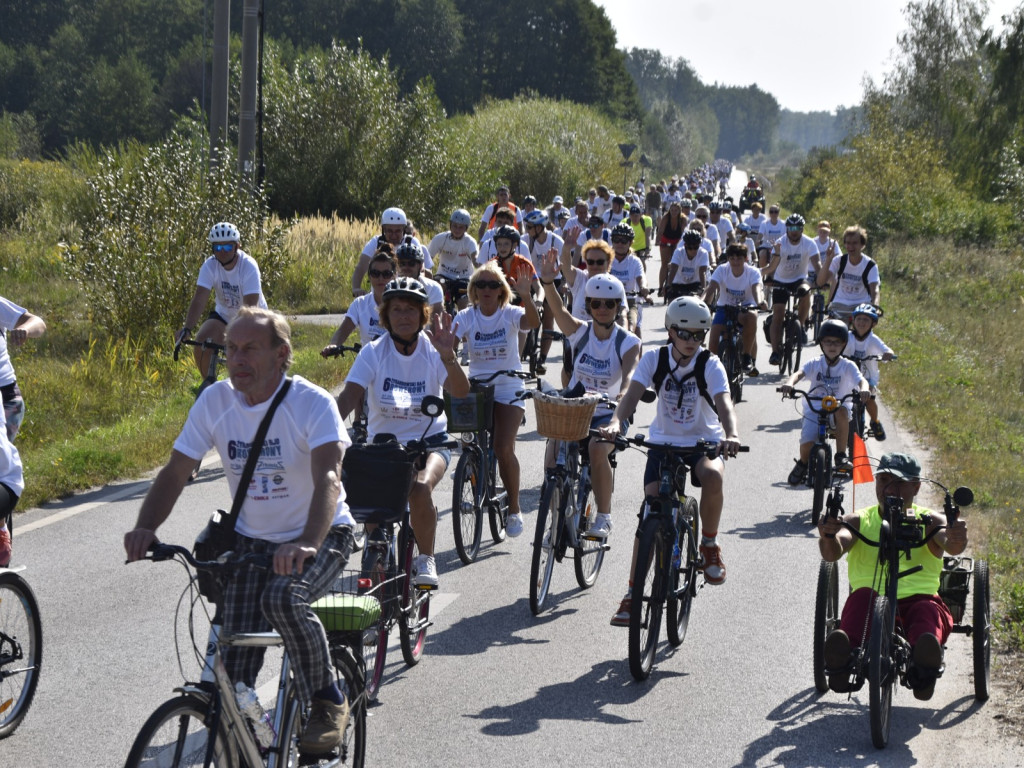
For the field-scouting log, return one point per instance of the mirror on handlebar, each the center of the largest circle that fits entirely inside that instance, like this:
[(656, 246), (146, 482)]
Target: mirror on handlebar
[(963, 496), (432, 406)]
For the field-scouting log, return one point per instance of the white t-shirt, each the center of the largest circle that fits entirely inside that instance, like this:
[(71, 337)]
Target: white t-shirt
[(376, 242), (489, 251), (794, 258), (231, 286), (711, 233), (277, 503), (597, 365), (538, 250), (10, 460), (691, 419), (363, 312), (395, 386), (493, 344), (628, 271), (611, 218), (771, 233), (10, 314), (755, 224), (724, 228), (454, 257), (736, 291), (838, 380), (489, 214), (851, 288), (687, 269), (435, 293), (870, 345)]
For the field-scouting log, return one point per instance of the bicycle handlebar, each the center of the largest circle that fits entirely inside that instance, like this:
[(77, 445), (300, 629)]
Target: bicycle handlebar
[(205, 344), (707, 448), (340, 349), (795, 394), (486, 379), (160, 552)]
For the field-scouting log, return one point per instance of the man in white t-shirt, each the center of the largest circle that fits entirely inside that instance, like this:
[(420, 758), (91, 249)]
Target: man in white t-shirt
[(792, 255), (393, 225), (773, 229), (455, 252), (294, 510)]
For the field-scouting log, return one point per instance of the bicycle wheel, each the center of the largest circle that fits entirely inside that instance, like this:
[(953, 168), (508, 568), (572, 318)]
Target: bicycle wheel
[(682, 580), (415, 606), (176, 736), (826, 618), (467, 517), (21, 650), (821, 463), (647, 599), (542, 562), (881, 671), (352, 750), (981, 633), (819, 312), (375, 639), (733, 370), (496, 513), (589, 554)]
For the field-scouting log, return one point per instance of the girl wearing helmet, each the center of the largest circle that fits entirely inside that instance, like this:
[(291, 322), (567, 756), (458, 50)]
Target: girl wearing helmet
[(864, 343), (491, 328), (455, 253), (737, 283), (830, 374), (393, 230), (603, 356), (233, 276), (683, 417), (688, 270), (362, 314), (394, 373), (627, 268)]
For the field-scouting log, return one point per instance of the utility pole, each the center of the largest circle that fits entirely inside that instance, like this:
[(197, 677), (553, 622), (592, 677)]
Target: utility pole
[(219, 86), (247, 107)]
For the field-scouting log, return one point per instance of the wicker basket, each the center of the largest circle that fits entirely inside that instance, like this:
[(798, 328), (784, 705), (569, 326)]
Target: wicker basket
[(560, 418)]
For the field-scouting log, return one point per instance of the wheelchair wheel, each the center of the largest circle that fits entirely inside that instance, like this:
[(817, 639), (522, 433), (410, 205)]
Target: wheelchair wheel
[(981, 632), (826, 618), (881, 671)]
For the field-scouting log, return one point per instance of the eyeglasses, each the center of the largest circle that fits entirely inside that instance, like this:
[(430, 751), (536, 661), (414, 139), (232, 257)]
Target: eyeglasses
[(489, 285), (602, 303), (596, 262), (382, 273), (223, 247), (621, 240), (686, 335)]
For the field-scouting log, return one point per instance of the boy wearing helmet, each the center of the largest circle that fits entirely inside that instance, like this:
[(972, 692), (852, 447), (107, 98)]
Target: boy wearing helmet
[(787, 272), (393, 224), (538, 242), (234, 278), (503, 218), (863, 343), (455, 252), (685, 414), (830, 374)]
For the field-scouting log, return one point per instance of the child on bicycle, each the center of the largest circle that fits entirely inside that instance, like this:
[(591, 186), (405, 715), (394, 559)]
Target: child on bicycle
[(830, 374), (685, 415), (864, 343)]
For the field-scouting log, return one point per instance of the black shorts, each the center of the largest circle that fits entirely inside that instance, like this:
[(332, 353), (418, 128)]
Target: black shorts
[(214, 315), (782, 291), (675, 290)]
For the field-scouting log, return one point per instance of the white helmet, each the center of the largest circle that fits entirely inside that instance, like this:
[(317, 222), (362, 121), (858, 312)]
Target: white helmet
[(605, 286), (461, 216), (224, 232), (394, 216), (687, 312)]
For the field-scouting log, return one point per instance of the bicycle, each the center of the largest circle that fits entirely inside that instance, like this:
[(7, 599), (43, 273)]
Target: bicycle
[(818, 313), (21, 649), (858, 423), (475, 480), (216, 359), (792, 334), (819, 468), (205, 725), (731, 350), (531, 354)]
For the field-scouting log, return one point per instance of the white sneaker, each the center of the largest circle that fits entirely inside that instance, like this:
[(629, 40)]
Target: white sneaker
[(514, 525), (424, 570), (601, 527)]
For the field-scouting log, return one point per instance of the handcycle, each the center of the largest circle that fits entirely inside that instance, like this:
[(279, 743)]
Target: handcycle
[(378, 477), (205, 723), (216, 359), (819, 468), (21, 649), (858, 423), (885, 659), (475, 481)]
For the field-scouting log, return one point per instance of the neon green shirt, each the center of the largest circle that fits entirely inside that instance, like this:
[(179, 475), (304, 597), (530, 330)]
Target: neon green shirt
[(862, 560)]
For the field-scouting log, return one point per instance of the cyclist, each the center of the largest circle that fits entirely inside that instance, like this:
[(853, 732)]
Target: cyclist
[(924, 617), (603, 358), (627, 268), (538, 242), (642, 228), (295, 510), (737, 283), (395, 372), (710, 231), (688, 271), (853, 277), (616, 213), (722, 223), (670, 232), (864, 343), (686, 412), (455, 252), (529, 205), (772, 231), (787, 272), (555, 209), (502, 200), (393, 226), (234, 278), (754, 221), (491, 328), (409, 260), (504, 218), (743, 237), (830, 374), (362, 312)]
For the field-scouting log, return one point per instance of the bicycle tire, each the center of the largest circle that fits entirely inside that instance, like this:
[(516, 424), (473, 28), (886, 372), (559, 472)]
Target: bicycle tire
[(733, 370), (647, 599), (819, 312), (21, 634), (821, 463), (542, 561), (414, 615), (826, 618), (467, 515), (352, 749), (496, 513), (588, 556), (682, 586), (981, 632), (176, 736), (881, 671), (375, 639)]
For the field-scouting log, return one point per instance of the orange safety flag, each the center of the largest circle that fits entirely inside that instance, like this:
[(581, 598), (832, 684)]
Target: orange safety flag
[(861, 464)]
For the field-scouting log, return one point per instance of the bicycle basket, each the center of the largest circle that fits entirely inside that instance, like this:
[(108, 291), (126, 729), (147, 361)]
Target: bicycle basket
[(377, 480), (471, 413), (954, 584), (560, 418)]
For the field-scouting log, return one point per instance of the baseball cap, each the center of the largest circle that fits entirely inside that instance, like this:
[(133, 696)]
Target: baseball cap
[(824, 225), (900, 465), (557, 199)]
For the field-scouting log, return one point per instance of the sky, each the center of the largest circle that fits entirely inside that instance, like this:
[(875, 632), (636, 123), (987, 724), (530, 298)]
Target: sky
[(811, 55)]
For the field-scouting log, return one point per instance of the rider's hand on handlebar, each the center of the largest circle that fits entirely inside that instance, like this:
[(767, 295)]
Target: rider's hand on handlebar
[(137, 543), (865, 395), (829, 526), (956, 537), (728, 448), (329, 350), (183, 335), (786, 390), (610, 431)]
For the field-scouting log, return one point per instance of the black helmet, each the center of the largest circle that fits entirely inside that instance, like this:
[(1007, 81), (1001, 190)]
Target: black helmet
[(834, 329), (405, 288), (409, 251), (692, 238), (529, 200), (622, 229), (795, 220), (508, 232)]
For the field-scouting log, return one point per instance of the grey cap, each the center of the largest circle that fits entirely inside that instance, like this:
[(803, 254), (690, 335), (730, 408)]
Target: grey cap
[(900, 465)]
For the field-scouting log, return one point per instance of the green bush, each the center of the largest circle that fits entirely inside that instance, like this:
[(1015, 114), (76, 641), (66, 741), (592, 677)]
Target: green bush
[(46, 198)]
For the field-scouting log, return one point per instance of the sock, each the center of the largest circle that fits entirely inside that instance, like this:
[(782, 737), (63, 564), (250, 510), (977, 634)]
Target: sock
[(709, 541), (331, 693)]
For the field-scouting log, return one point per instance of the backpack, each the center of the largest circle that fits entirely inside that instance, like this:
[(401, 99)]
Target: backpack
[(843, 261), (698, 373)]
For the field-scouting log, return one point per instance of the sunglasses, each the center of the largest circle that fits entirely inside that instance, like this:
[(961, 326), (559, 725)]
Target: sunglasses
[(602, 303), (701, 216), (382, 273), (489, 285), (596, 262), (686, 335), (621, 240), (794, 229), (223, 247)]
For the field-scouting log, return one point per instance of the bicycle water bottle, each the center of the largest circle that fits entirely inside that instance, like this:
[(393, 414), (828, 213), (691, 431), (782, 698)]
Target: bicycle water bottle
[(249, 704), (677, 555)]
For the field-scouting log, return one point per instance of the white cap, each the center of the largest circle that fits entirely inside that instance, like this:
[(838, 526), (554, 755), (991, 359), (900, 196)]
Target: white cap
[(558, 199)]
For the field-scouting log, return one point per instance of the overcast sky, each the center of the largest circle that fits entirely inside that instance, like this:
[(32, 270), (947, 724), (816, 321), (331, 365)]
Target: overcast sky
[(810, 54)]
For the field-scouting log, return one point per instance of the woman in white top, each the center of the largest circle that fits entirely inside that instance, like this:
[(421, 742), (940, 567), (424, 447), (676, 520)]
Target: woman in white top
[(490, 327), (362, 313)]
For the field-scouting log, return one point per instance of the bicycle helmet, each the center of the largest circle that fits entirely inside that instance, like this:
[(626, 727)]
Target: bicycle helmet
[(714, 205), (622, 229), (867, 309), (507, 232), (795, 220), (563, 214), (529, 200), (461, 216), (687, 312), (405, 288), (409, 251), (692, 239), (536, 218), (605, 286), (224, 232), (743, 227), (394, 216), (834, 329)]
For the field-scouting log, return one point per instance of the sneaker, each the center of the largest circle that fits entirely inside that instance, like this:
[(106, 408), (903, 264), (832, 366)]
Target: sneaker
[(837, 661), (753, 372), (601, 527), (425, 571), (775, 358), (927, 664), (798, 474), (541, 369), (621, 617), (712, 564), (748, 363), (514, 525), (878, 430), (327, 723), (5, 548), (843, 465)]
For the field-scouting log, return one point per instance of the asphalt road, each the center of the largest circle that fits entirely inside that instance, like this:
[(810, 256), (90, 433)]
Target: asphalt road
[(498, 686)]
